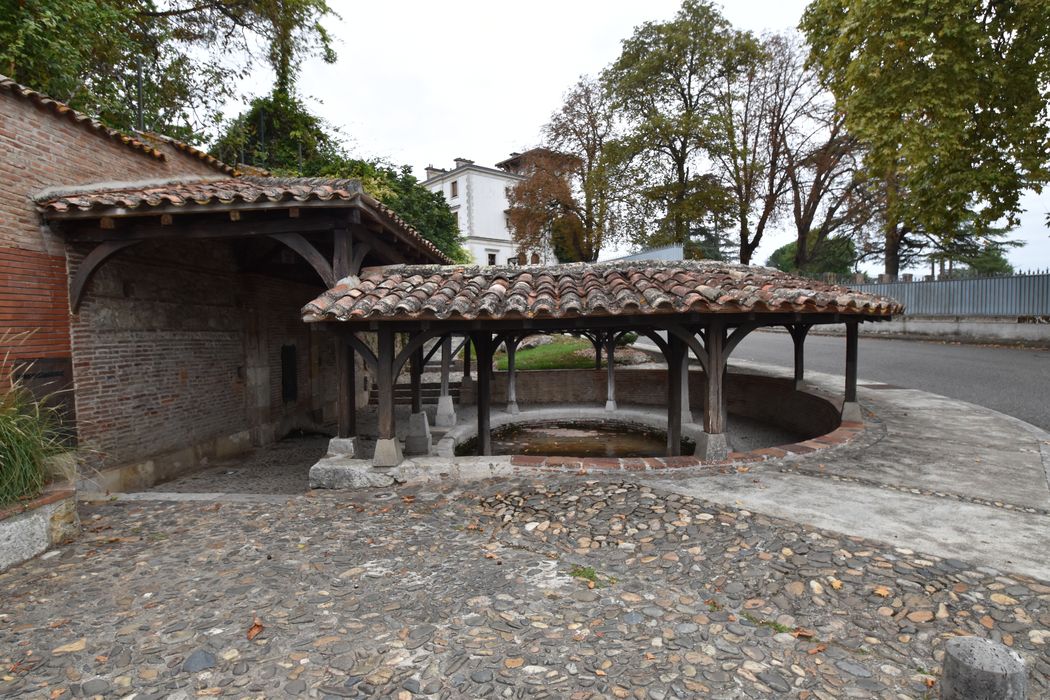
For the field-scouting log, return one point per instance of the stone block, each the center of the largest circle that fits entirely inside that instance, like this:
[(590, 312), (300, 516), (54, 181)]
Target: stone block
[(388, 453), (711, 446), (343, 447), (446, 412), (980, 669), (418, 440), (851, 412), (347, 474)]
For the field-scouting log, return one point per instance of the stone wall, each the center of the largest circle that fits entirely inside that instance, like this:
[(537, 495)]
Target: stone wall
[(28, 529), (768, 399)]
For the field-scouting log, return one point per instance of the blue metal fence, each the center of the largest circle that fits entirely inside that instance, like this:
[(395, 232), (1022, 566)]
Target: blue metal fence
[(1020, 295)]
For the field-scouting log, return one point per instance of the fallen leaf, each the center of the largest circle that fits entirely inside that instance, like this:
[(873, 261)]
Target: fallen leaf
[(817, 649), (255, 629), (882, 591), (57, 693), (78, 645), (803, 633), (836, 584), (930, 682)]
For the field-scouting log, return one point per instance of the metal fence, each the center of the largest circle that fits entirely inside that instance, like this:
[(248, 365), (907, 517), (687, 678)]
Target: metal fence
[(1020, 295)]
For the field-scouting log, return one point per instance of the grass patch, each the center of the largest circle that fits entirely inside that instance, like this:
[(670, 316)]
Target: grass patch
[(559, 354), (593, 578), (29, 434)]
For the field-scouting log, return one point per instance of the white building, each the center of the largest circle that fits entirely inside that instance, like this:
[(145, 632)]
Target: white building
[(478, 197)]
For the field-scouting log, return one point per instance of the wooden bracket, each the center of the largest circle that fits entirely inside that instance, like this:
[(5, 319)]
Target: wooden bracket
[(89, 265), (305, 249)]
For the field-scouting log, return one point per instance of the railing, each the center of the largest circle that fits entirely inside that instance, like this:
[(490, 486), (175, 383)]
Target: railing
[(1025, 295)]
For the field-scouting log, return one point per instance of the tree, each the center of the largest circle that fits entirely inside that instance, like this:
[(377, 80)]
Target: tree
[(190, 54), (950, 102), (664, 85), (280, 134), (759, 107), (573, 198), (837, 256)]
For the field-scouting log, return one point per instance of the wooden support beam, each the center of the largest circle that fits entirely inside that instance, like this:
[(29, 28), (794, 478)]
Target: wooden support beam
[(385, 380), (416, 379), (714, 394), (610, 371), (483, 344), (852, 333), (798, 332), (176, 230), (466, 357), (342, 253), (446, 363), (676, 350), (511, 344), (89, 265), (310, 254), (346, 384)]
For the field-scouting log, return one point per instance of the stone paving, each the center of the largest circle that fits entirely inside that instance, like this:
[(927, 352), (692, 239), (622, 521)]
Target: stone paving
[(561, 588)]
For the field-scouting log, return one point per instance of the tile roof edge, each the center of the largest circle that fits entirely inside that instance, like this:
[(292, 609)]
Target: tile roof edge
[(62, 110), (56, 191), (191, 150)]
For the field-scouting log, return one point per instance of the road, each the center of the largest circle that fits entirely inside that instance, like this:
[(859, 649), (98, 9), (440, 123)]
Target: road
[(1009, 380)]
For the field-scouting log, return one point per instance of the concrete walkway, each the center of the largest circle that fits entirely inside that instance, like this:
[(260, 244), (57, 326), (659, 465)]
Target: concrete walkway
[(933, 475)]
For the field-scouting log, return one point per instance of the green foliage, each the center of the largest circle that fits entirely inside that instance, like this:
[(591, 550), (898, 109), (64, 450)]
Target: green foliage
[(29, 434), (833, 255), (949, 98), (280, 134), (626, 340), (663, 86), (562, 353), (192, 53), (990, 262)]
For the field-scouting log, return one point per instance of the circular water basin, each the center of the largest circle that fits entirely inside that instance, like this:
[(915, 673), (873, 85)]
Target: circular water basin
[(577, 438)]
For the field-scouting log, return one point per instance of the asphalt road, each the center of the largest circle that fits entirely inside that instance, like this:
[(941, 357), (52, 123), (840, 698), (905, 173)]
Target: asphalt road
[(1009, 380)]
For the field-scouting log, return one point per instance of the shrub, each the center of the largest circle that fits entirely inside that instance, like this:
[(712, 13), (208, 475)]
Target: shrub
[(627, 339), (29, 434)]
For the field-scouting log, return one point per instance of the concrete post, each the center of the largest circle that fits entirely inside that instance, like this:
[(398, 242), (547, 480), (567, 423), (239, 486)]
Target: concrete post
[(512, 384), (610, 376), (446, 411), (980, 669)]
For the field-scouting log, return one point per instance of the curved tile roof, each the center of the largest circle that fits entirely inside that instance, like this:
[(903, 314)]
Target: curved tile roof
[(101, 198), (61, 109), (625, 288)]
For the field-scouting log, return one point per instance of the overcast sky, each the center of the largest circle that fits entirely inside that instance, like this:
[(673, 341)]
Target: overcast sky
[(425, 82)]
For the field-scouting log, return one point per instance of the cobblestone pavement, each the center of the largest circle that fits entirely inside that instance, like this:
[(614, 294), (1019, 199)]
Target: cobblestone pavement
[(561, 588)]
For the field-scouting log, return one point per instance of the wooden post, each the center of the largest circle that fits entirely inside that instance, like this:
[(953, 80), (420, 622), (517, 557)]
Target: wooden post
[(852, 332), (610, 371), (675, 348), (342, 253), (466, 358), (446, 362), (799, 331), (597, 343), (714, 396), (512, 386), (385, 380), (687, 413), (416, 379), (483, 343), (347, 384)]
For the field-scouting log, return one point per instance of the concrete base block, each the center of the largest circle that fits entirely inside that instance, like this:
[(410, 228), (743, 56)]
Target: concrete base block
[(388, 453), (344, 447), (851, 412), (712, 446), (418, 440), (342, 473), (980, 669), (512, 408), (446, 413), (610, 405)]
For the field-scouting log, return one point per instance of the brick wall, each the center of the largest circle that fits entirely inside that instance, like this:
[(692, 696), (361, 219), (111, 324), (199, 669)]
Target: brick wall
[(163, 348)]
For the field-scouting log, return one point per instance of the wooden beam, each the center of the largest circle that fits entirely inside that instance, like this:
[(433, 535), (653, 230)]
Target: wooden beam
[(198, 229), (195, 208), (310, 254), (342, 252), (346, 382), (378, 245), (676, 348), (851, 361), (385, 380), (89, 265), (416, 380), (483, 344), (714, 393)]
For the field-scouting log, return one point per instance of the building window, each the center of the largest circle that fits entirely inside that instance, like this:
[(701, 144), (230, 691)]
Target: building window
[(535, 258), (456, 214), (289, 374), (492, 258), (453, 188)]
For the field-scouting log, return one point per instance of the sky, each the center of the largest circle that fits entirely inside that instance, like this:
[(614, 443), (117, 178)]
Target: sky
[(421, 83)]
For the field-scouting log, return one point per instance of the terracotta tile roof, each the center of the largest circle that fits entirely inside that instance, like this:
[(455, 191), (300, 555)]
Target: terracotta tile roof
[(61, 109), (189, 191), (191, 150), (626, 288), (101, 198)]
